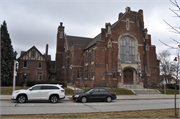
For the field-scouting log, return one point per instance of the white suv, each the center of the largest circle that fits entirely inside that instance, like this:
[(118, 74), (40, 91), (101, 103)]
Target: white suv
[(50, 92)]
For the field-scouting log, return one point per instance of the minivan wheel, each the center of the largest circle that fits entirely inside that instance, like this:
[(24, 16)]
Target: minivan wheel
[(83, 99), (108, 99), (54, 99), (21, 98)]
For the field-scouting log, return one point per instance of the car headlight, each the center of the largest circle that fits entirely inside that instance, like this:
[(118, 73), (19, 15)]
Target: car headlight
[(76, 96), (17, 91)]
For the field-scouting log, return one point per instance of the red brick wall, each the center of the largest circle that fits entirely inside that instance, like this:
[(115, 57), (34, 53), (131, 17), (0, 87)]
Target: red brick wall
[(32, 69)]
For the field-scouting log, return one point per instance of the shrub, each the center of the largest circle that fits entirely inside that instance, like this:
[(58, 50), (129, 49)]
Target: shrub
[(172, 86)]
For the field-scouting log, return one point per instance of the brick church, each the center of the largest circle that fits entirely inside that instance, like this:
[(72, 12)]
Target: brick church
[(121, 54)]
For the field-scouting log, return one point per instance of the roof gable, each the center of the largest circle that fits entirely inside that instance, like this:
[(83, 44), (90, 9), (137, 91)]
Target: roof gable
[(32, 54), (123, 18)]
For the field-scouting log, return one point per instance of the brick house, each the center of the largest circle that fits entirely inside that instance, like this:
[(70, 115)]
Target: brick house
[(121, 54), (36, 65)]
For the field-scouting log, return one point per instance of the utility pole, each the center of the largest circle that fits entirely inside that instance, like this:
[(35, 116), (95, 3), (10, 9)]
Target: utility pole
[(15, 73)]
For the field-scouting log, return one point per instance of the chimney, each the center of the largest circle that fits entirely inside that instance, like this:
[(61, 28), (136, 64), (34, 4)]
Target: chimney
[(46, 50)]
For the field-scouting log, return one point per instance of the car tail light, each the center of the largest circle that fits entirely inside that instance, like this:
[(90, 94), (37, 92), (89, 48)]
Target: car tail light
[(114, 93), (63, 90)]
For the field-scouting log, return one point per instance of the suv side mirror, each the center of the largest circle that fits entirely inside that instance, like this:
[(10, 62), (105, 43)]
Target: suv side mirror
[(30, 89)]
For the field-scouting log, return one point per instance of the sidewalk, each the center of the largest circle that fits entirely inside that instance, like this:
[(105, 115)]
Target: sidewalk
[(119, 97)]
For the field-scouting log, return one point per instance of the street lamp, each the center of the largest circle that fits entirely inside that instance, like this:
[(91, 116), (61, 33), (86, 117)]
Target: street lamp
[(15, 73)]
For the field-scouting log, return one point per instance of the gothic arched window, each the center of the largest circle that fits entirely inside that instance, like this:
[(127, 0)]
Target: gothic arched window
[(127, 49)]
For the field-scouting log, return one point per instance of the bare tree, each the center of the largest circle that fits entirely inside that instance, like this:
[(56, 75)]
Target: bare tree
[(165, 64), (175, 29), (175, 74)]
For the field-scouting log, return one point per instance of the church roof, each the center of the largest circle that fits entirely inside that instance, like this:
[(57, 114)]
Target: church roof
[(89, 42), (76, 40), (95, 39)]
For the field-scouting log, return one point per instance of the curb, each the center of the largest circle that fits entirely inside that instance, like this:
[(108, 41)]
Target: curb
[(116, 99)]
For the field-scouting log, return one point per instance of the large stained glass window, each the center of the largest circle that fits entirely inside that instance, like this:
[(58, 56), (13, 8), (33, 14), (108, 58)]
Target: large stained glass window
[(127, 49)]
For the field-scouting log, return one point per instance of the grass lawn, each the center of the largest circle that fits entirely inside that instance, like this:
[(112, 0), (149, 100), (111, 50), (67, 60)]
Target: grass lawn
[(8, 90), (121, 91), (169, 91), (164, 113)]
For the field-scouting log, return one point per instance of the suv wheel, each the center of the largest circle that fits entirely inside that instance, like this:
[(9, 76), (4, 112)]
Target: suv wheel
[(108, 99), (21, 98), (54, 99), (83, 99)]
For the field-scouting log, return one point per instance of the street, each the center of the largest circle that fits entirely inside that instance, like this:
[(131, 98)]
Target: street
[(45, 107)]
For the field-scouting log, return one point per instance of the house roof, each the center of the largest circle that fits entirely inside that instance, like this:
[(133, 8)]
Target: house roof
[(22, 52), (33, 47)]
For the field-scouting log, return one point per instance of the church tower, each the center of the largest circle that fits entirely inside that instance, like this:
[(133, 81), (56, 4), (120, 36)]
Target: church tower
[(59, 51)]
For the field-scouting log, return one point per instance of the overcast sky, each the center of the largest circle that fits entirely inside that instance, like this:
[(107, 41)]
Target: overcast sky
[(35, 22)]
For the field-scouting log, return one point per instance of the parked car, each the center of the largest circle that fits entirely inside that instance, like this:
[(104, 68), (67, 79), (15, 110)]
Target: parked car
[(95, 94), (50, 92)]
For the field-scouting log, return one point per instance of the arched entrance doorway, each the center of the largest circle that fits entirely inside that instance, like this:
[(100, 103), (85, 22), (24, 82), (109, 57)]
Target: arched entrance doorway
[(128, 76)]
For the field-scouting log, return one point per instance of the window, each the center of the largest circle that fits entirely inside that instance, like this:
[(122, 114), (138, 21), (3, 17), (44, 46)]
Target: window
[(78, 73), (127, 49), (25, 64), (71, 59), (33, 53), (86, 74), (86, 57), (36, 88), (53, 66), (92, 55), (95, 91), (39, 76), (91, 73), (103, 90), (114, 74), (53, 77), (39, 65), (49, 66), (49, 87), (103, 75)]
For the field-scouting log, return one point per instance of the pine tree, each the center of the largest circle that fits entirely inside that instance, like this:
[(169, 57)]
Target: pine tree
[(7, 57)]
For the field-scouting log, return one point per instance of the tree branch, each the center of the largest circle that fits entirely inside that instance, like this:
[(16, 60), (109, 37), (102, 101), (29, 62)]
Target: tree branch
[(172, 27), (168, 45)]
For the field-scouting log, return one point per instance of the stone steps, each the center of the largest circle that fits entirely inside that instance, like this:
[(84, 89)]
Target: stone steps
[(137, 89), (146, 91), (132, 87)]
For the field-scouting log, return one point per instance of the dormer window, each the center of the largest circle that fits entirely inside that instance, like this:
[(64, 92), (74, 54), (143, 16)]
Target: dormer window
[(33, 54)]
